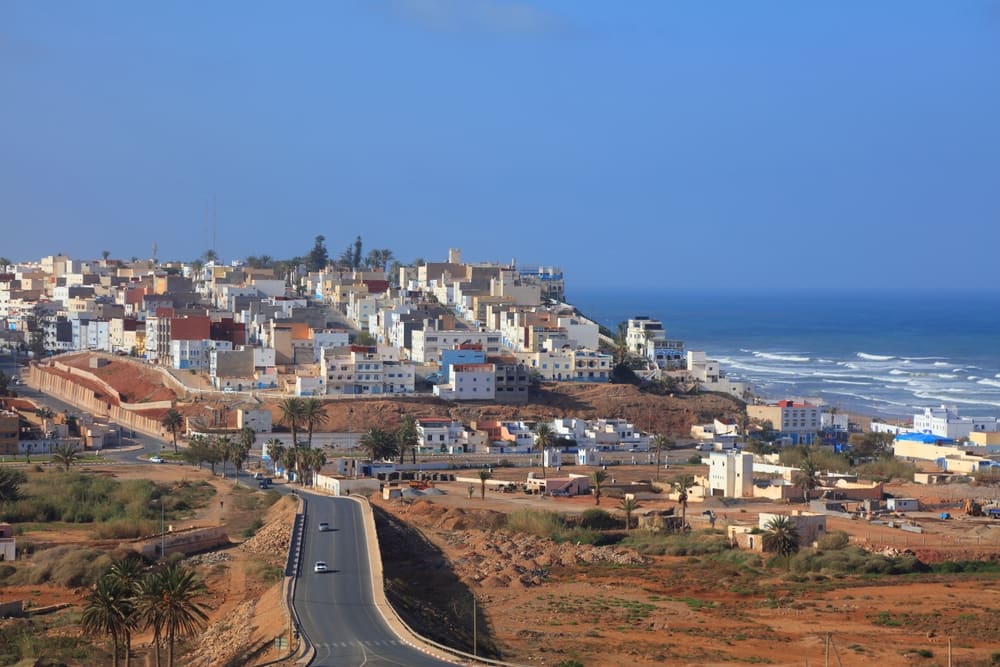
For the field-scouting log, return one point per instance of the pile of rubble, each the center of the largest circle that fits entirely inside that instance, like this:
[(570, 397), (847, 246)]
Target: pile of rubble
[(271, 540), (502, 559), (210, 558)]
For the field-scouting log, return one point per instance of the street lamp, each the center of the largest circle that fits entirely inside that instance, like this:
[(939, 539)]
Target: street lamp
[(163, 534)]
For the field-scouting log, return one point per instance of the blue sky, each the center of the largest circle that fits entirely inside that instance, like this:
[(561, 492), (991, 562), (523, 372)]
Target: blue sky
[(838, 143)]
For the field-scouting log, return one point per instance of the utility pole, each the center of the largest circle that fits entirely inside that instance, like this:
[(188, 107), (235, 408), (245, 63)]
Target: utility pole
[(475, 638)]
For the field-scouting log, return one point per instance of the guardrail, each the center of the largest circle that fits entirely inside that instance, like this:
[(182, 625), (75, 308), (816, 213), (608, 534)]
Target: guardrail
[(389, 613)]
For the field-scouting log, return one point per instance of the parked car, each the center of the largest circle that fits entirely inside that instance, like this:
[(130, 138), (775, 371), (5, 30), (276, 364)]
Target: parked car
[(320, 566), (156, 459)]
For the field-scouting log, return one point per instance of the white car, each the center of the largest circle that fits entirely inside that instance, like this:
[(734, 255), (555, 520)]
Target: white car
[(320, 566), (156, 459), (323, 526)]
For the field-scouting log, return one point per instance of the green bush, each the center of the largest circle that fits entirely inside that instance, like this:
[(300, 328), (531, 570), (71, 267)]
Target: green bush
[(697, 543), (67, 565), (537, 522), (694, 460), (834, 541), (598, 519), (853, 560)]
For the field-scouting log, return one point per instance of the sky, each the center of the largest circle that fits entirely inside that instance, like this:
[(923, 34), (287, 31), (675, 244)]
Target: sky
[(764, 144)]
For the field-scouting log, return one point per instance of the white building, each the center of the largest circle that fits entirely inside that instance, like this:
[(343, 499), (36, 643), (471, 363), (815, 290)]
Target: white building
[(730, 475), (469, 382), (195, 354), (945, 422), (647, 338), (439, 435), (427, 345), (711, 377)]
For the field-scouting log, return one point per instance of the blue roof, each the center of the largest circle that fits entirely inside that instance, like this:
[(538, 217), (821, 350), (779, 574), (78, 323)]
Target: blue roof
[(925, 438)]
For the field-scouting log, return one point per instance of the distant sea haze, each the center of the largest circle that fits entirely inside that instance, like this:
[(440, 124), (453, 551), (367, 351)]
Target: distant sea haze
[(887, 353)]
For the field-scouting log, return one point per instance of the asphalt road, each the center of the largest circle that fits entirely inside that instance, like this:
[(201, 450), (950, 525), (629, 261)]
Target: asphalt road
[(336, 608)]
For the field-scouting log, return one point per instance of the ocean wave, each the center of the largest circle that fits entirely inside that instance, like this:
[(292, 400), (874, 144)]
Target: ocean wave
[(954, 399), (773, 356), (862, 384), (947, 376), (972, 378), (990, 383), (875, 357), (896, 371), (941, 363), (922, 358)]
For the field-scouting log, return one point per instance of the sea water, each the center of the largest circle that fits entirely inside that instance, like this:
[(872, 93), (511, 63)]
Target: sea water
[(883, 352)]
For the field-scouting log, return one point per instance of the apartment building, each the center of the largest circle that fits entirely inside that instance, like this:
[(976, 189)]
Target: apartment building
[(428, 345), (469, 382), (945, 422), (796, 422)]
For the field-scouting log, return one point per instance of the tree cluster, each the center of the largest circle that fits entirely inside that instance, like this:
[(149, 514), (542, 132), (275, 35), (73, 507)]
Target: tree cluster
[(127, 599)]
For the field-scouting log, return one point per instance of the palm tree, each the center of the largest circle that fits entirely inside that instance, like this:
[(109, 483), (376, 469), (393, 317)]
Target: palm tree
[(315, 460), (313, 414), (128, 573), (148, 596), (240, 452), (109, 612), (781, 536), (172, 421), (65, 454), (681, 486), (628, 505), (807, 477), (660, 442), (292, 413), (210, 255), (597, 478), (225, 447), (290, 460), (543, 440), (182, 613), (407, 437), (275, 450), (484, 475), (378, 444), (45, 414)]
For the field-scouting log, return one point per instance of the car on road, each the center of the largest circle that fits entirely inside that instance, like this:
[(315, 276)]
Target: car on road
[(323, 526), (156, 459), (320, 566)]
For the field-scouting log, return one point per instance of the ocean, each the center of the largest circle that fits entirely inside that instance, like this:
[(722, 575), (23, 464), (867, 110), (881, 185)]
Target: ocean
[(880, 352)]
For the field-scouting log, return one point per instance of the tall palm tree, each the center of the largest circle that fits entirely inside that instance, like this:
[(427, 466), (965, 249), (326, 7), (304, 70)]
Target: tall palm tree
[(108, 612), (407, 437), (290, 461), (149, 612), (65, 454), (544, 437), (316, 459), (659, 444), (182, 613), (128, 572), (781, 536), (240, 453), (597, 478), (628, 505), (225, 446), (484, 475), (172, 421), (292, 412), (681, 485), (276, 451), (313, 415), (807, 477)]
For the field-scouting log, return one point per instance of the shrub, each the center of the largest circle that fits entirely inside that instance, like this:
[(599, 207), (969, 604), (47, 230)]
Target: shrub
[(698, 543), (598, 519), (694, 460), (834, 541), (252, 529), (537, 522), (68, 565)]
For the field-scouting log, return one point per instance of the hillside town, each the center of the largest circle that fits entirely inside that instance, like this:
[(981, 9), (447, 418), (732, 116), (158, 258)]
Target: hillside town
[(417, 387)]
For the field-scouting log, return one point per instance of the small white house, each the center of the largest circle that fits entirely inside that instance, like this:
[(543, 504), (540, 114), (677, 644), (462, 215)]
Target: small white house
[(588, 456), (902, 504)]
